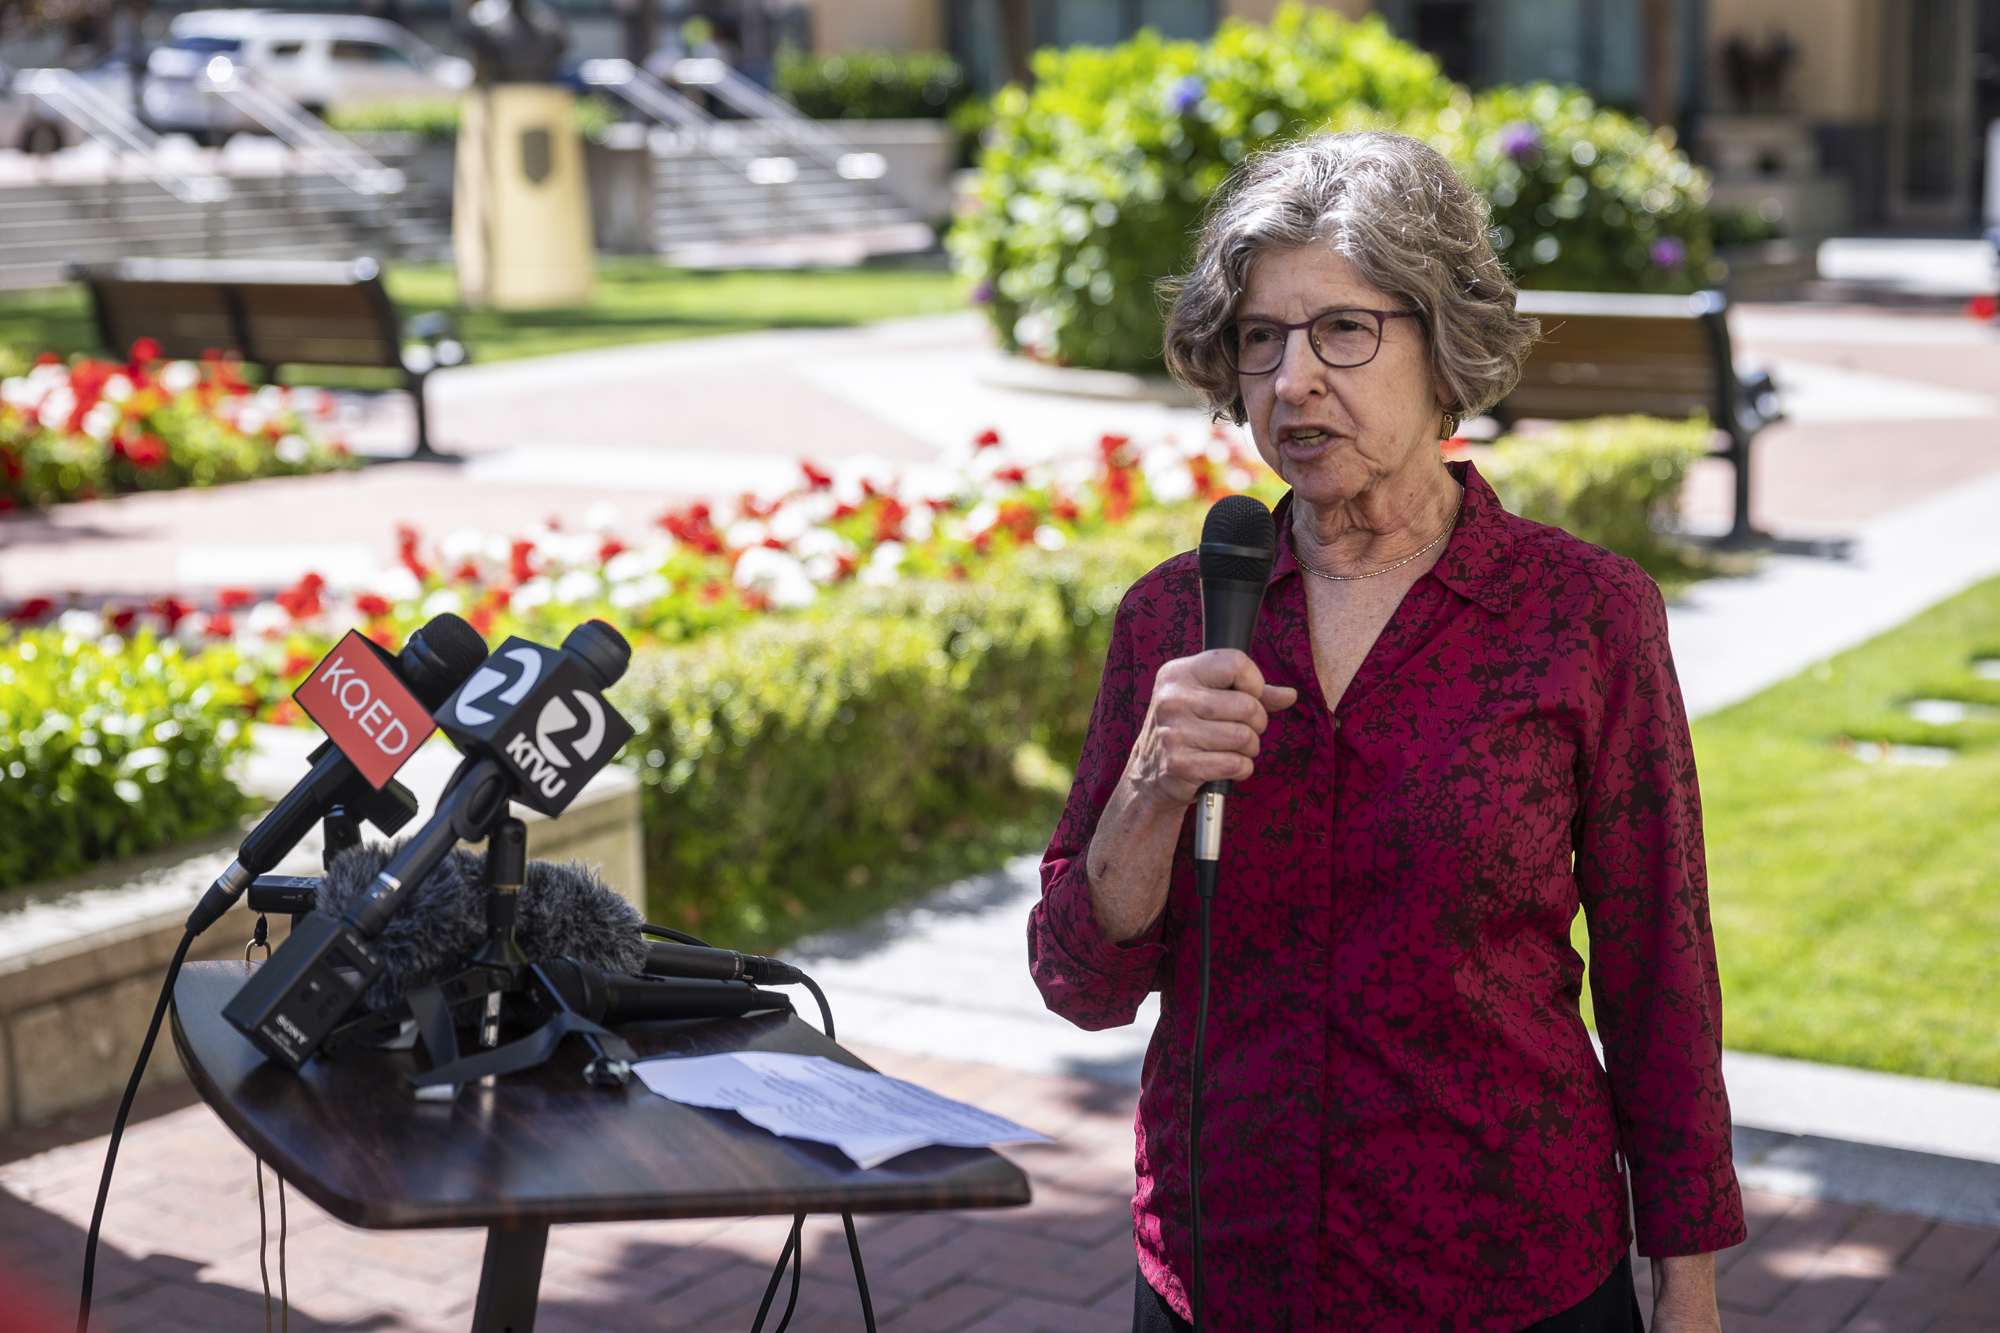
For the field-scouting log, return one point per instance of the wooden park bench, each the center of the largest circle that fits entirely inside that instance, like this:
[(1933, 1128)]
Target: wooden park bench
[(272, 313), (1602, 354)]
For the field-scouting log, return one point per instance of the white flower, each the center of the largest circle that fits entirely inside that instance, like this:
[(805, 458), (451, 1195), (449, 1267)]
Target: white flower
[(252, 418), (629, 565), (744, 532), (535, 592), (1048, 538), (396, 583), (1167, 474), (272, 397), (790, 522), (821, 541), (918, 526), (293, 449), (777, 575), (19, 392), (179, 376), (466, 542), (578, 585), (601, 517), (882, 567), (639, 591), (118, 388), (442, 601), (101, 420), (266, 618), (56, 406), (981, 518), (86, 624)]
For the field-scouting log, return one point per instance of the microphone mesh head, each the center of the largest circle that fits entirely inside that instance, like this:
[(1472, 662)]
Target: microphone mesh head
[(602, 649), (454, 641), (1238, 520)]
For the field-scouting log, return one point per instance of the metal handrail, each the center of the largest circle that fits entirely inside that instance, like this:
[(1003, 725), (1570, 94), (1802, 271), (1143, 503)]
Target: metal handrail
[(756, 103), (673, 110), (298, 128), (66, 94)]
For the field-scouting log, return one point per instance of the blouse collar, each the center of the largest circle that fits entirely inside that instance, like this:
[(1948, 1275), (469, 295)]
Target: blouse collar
[(1477, 559)]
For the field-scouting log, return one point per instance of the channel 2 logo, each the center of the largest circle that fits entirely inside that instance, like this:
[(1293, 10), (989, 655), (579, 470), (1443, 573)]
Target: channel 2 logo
[(532, 708)]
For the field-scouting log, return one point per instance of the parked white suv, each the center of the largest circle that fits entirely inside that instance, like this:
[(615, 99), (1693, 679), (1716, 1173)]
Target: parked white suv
[(317, 60)]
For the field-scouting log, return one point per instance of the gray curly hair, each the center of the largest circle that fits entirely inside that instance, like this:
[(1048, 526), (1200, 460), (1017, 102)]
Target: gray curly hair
[(1398, 212)]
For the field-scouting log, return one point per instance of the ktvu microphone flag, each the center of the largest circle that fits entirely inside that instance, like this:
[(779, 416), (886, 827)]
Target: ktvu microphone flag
[(364, 708), (536, 710)]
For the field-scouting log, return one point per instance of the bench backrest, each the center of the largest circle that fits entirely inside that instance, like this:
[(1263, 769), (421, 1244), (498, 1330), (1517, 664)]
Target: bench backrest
[(273, 314), (1603, 354)]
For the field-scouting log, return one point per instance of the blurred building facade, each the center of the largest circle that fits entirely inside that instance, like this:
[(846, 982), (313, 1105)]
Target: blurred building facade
[(1823, 115)]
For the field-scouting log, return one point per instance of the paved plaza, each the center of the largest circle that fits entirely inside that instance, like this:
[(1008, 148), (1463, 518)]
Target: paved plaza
[(1875, 1200)]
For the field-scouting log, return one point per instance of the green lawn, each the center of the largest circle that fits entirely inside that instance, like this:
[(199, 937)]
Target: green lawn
[(638, 300), (1857, 905)]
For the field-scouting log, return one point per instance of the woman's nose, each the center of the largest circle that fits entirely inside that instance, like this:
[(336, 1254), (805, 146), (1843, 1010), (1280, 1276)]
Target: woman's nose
[(1300, 373)]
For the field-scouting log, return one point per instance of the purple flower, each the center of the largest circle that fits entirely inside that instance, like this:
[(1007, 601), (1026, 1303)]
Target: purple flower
[(1188, 93), (1518, 139), (982, 294), (1668, 253)]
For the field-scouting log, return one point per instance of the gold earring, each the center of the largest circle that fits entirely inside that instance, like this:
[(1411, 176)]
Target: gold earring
[(1450, 425)]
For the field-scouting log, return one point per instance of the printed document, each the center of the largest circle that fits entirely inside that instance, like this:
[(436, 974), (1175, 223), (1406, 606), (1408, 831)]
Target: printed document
[(870, 1117)]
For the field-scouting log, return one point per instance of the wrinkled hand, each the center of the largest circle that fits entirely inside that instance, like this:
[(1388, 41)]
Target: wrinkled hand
[(1205, 724)]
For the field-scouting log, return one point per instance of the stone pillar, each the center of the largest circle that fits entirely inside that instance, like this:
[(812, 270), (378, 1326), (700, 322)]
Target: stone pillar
[(520, 222)]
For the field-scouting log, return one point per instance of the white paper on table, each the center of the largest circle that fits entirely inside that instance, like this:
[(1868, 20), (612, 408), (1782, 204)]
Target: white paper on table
[(870, 1117)]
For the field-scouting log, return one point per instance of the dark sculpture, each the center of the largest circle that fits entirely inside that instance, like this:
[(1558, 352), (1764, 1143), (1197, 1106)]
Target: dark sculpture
[(513, 41)]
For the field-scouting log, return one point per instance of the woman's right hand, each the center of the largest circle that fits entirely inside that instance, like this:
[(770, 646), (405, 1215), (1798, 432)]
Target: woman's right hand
[(1205, 724)]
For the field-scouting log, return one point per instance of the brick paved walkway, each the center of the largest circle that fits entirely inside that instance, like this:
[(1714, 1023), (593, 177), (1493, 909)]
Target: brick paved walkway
[(181, 1252)]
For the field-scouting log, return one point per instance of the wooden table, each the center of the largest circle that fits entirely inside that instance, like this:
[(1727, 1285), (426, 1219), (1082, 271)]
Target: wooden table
[(544, 1147)]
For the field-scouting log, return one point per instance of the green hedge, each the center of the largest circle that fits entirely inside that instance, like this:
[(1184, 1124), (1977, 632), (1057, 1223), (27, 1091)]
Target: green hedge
[(1613, 481), (110, 747), (873, 85), (801, 771), (435, 119)]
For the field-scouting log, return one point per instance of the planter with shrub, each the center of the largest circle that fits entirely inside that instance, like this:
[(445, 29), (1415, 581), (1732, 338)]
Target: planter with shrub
[(1093, 185)]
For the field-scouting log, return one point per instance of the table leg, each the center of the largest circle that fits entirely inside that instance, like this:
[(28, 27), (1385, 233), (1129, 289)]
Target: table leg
[(510, 1281)]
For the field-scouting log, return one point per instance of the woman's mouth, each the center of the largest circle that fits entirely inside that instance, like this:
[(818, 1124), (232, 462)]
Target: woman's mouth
[(1303, 441)]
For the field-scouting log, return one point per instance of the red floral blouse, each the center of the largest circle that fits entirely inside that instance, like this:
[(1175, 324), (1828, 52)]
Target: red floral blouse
[(1406, 1125)]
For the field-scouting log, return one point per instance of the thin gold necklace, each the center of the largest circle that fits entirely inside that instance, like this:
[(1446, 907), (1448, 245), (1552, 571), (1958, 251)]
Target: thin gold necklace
[(1450, 523)]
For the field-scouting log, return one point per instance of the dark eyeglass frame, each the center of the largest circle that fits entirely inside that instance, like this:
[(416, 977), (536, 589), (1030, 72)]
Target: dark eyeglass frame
[(1382, 317)]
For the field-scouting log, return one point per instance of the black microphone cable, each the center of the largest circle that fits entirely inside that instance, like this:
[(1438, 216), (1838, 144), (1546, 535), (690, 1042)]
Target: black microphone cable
[(1238, 549), (794, 1251), (118, 1127)]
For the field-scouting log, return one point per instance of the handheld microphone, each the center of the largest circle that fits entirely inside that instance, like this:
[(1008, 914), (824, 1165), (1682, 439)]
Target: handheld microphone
[(534, 726), (1239, 545), (685, 960), (435, 661), (611, 1000)]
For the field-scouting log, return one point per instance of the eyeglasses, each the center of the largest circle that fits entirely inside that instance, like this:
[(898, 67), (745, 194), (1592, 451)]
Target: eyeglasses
[(1342, 339)]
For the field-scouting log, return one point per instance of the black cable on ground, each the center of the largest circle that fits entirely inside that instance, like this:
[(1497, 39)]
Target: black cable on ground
[(1196, 1305), (263, 1244), (860, 1276), (118, 1128), (792, 1254)]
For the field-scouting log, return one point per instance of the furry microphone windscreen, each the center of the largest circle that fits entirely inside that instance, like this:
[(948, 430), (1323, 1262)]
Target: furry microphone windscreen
[(566, 911)]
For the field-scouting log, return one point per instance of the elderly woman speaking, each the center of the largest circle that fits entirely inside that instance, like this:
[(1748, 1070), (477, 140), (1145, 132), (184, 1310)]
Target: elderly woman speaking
[(1452, 729)]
